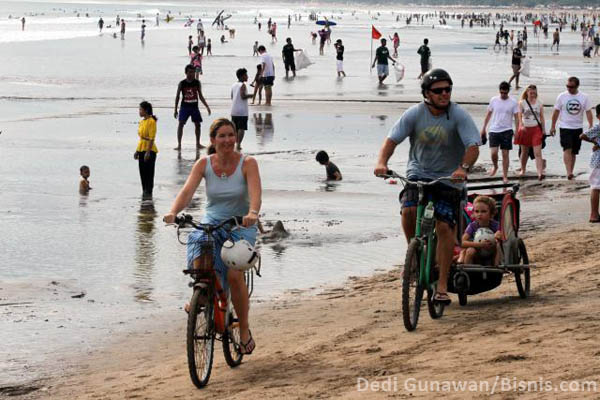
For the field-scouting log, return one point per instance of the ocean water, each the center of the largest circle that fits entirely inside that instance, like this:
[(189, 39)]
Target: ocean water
[(69, 96)]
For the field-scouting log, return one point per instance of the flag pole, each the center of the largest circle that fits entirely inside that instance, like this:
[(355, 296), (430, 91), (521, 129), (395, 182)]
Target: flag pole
[(371, 64)]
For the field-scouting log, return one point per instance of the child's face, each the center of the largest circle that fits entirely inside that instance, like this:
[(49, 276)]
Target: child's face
[(482, 213), (85, 173)]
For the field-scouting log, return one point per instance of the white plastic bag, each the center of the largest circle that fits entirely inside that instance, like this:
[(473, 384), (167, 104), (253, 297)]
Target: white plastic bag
[(399, 70), (302, 61), (525, 67)]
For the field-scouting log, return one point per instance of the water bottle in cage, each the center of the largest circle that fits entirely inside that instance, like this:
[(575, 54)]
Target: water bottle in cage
[(427, 220)]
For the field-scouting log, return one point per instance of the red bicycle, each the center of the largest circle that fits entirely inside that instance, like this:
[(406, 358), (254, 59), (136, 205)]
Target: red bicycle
[(211, 315)]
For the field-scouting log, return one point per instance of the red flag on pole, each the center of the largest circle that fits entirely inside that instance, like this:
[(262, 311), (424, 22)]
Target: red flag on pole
[(375, 34)]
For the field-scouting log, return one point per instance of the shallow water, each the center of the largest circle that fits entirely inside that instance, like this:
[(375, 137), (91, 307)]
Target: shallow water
[(67, 102)]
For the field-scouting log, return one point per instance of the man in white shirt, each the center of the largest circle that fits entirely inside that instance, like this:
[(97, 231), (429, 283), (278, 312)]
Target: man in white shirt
[(199, 26), (570, 106), (268, 73), (502, 110)]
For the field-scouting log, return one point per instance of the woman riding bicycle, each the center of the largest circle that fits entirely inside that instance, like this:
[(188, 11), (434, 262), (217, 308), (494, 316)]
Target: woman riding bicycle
[(233, 188)]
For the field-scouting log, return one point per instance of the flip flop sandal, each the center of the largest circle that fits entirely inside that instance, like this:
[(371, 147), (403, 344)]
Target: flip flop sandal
[(443, 298), (248, 347), (594, 221)]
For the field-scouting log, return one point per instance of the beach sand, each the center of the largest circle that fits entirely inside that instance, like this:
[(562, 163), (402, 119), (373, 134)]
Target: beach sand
[(318, 345)]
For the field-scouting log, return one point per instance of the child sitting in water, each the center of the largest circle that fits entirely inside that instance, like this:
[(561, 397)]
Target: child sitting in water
[(333, 172), (84, 184), (484, 209), (593, 136)]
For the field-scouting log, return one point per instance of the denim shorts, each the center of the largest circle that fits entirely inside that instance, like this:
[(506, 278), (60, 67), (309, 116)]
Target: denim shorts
[(445, 198), (502, 139), (197, 238), (383, 69)]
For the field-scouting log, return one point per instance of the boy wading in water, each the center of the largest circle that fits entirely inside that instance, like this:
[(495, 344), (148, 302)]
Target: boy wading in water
[(333, 172), (84, 183)]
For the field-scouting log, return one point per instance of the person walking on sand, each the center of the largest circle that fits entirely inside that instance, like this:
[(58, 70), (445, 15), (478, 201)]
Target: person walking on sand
[(501, 110), (233, 188), (157, 19), (531, 131), (555, 40), (143, 33), (569, 108), (146, 150), (122, 29), (239, 106), (100, 24), (443, 141), (255, 49), (517, 55), (287, 53), (268, 73), (196, 61), (23, 23), (425, 54), (596, 44), (190, 91), (382, 55), (339, 57), (593, 136)]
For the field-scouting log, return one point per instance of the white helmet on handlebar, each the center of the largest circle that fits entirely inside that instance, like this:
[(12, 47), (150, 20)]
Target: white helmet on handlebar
[(240, 255)]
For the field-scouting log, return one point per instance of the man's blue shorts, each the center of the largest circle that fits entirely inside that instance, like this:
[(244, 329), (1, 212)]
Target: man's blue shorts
[(186, 112)]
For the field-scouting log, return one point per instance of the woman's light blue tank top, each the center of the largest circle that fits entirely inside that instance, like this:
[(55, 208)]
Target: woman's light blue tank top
[(226, 197)]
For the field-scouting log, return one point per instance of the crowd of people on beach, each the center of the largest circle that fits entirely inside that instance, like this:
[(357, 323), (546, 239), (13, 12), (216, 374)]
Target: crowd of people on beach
[(233, 185)]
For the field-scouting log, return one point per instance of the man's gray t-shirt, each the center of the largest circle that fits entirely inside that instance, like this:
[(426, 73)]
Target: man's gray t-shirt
[(437, 144)]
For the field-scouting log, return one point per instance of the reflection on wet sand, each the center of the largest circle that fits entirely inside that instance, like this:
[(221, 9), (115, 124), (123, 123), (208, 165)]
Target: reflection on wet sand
[(145, 252), (184, 166), (328, 186), (264, 128)]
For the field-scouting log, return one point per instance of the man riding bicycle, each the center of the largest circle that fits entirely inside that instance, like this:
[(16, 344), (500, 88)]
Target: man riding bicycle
[(443, 142)]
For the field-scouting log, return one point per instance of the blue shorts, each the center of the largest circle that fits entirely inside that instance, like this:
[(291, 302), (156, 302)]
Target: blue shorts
[(502, 139), (383, 69), (186, 112), (446, 201), (197, 237)]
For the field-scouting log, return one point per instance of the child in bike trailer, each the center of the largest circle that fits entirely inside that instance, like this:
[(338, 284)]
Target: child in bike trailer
[(476, 251)]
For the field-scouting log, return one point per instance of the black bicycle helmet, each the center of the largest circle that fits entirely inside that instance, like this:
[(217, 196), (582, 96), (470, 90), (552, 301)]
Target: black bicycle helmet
[(432, 76)]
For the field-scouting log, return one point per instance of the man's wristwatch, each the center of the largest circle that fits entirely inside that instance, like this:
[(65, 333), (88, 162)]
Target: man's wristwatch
[(465, 166)]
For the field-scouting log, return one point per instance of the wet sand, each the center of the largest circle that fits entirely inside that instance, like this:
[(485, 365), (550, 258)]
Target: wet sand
[(317, 344)]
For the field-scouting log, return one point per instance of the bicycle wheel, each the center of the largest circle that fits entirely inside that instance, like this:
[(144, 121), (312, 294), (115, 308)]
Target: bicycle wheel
[(231, 339), (522, 278), (200, 337), (412, 291)]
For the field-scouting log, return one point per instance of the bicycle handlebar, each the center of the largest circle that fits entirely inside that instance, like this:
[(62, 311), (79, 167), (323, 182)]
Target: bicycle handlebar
[(392, 174), (187, 219)]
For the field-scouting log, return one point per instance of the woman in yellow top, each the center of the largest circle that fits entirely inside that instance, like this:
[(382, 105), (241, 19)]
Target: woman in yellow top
[(146, 148)]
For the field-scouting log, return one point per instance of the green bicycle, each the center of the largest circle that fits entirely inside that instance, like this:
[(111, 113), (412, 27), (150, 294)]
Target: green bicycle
[(419, 275)]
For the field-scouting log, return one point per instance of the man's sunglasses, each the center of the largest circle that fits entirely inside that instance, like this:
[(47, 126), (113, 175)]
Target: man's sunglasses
[(447, 89), (571, 87)]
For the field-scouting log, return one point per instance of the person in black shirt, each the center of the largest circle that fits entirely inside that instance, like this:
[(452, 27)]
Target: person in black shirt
[(339, 49), (517, 55), (382, 55), (288, 57), (333, 172), (425, 53), (190, 92)]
